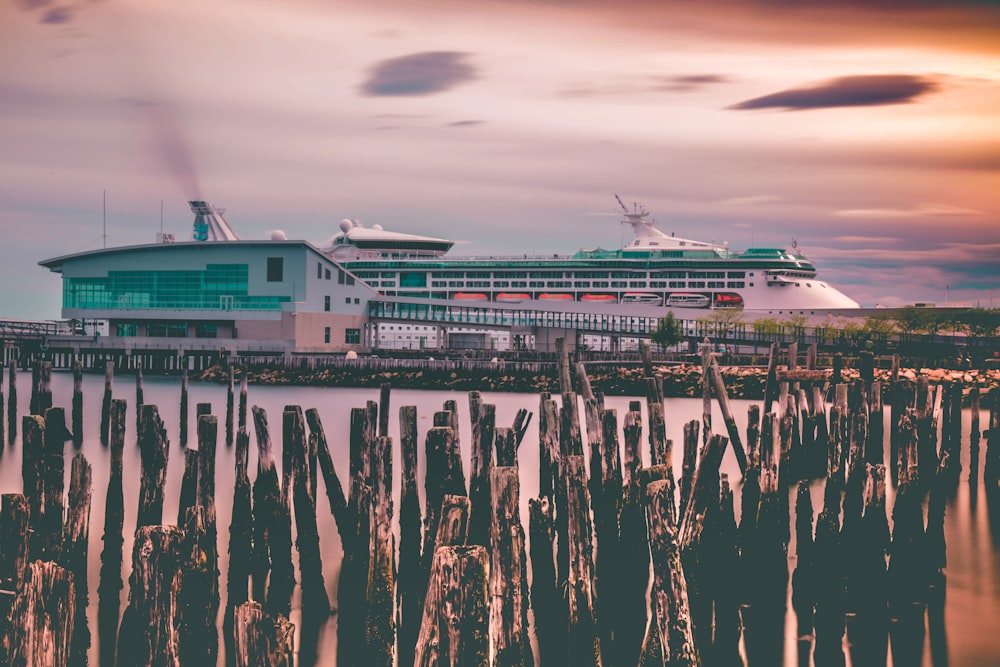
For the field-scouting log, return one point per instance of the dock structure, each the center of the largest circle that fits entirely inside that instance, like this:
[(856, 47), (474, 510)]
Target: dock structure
[(606, 523)]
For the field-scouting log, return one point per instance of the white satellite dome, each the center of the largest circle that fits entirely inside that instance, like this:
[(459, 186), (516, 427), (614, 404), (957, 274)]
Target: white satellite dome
[(278, 235), (345, 225), (377, 227)]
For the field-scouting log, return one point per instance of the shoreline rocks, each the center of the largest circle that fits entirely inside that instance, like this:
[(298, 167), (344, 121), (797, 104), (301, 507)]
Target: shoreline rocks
[(679, 381)]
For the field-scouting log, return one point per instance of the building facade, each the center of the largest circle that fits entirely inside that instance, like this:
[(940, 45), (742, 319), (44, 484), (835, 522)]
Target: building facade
[(272, 295)]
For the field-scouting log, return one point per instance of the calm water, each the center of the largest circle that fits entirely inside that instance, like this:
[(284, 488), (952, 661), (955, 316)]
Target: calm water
[(973, 595)]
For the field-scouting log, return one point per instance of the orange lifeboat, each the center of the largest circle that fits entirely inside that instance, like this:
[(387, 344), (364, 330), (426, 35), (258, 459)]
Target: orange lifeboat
[(600, 298), (549, 296), (519, 296), (469, 296)]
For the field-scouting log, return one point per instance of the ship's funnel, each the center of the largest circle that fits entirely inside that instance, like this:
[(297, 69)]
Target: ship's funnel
[(209, 225)]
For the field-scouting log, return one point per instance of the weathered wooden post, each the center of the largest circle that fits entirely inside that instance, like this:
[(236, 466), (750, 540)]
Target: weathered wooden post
[(43, 617), (508, 573), (12, 401), (230, 404), (867, 627), (907, 574), (139, 393), (77, 416), (584, 647), (672, 622), (184, 405), (111, 556), (13, 559), (380, 622), (49, 530), (408, 602), (260, 640), (974, 435), (76, 534), (804, 576), (272, 528), (722, 398), (633, 569), (198, 595), (483, 419), (151, 624), (455, 629), (3, 423), (33, 479), (240, 539), (41, 387), (831, 586), (155, 452)]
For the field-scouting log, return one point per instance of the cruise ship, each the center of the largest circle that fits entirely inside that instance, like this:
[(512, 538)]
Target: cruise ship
[(654, 268)]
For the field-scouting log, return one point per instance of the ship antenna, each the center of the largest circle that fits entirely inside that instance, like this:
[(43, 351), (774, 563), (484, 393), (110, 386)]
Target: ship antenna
[(621, 203)]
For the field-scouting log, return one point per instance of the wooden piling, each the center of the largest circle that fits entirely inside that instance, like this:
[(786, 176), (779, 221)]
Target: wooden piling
[(139, 393), (230, 405), (110, 585), (804, 576), (483, 418), (33, 478), (43, 617), (155, 453), (441, 479), (831, 587), (184, 407), (380, 621), (722, 398), (198, 595), (13, 560), (109, 376), (272, 527), (151, 624), (562, 367), (673, 616), (77, 410), (455, 629), (633, 570), (49, 529), (508, 573), (584, 646), (240, 539), (409, 602), (331, 481), (12, 401), (260, 640), (76, 534), (3, 423)]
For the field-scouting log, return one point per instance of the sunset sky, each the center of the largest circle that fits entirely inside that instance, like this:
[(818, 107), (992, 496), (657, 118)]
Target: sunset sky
[(867, 131)]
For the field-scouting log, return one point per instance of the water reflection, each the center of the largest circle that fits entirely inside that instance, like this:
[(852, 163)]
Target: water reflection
[(958, 620)]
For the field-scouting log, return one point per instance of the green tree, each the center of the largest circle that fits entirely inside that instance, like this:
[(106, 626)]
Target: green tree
[(668, 331), (910, 319), (980, 322)]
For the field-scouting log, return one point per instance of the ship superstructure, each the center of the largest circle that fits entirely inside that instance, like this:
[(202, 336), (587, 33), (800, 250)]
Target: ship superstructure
[(655, 268)]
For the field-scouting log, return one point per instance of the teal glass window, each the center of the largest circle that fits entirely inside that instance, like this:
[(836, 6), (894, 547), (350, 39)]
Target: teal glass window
[(352, 336), (218, 287)]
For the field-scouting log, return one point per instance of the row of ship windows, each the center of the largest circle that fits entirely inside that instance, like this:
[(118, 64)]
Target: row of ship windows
[(579, 284), (549, 275)]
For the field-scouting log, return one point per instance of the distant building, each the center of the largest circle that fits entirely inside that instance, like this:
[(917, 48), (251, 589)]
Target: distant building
[(269, 295)]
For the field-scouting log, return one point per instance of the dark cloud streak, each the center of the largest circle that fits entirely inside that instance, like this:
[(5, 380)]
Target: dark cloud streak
[(419, 74), (847, 91), (690, 82), (58, 15)]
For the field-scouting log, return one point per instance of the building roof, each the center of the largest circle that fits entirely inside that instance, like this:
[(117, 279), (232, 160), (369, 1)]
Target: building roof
[(55, 264)]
